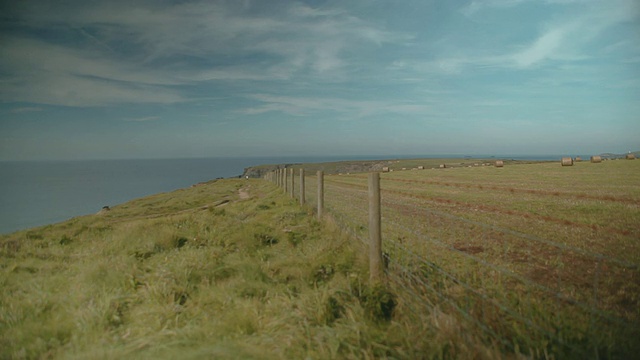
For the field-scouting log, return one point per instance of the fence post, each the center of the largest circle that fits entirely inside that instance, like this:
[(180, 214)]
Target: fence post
[(320, 175), (375, 239), (282, 178), (286, 180), (301, 186), (293, 188)]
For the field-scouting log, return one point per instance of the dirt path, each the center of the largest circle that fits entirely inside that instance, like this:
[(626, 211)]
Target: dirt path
[(244, 193)]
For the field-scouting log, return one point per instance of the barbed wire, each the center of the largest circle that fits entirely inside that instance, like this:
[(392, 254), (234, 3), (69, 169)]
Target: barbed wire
[(519, 190), (457, 308), (596, 256), (507, 272), (504, 308), (340, 193)]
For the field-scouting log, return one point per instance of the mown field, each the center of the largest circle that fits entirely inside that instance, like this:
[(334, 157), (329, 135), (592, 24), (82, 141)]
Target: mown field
[(535, 256)]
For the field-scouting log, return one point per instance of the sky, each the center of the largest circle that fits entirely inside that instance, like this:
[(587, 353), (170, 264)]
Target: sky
[(172, 79)]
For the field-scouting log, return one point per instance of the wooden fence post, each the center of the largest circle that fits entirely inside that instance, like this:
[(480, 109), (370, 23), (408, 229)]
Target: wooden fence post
[(293, 188), (320, 175), (286, 180), (301, 186), (375, 239)]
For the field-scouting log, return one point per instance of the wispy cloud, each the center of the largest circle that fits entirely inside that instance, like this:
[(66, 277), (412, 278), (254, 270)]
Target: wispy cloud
[(143, 119), (305, 106), (25, 109), (544, 47), (559, 40), (476, 6), (149, 53)]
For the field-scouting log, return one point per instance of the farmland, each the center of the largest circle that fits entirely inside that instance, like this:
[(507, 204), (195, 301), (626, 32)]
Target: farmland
[(533, 254)]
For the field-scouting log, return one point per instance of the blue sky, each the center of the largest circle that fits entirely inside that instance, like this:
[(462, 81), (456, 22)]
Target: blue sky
[(168, 79)]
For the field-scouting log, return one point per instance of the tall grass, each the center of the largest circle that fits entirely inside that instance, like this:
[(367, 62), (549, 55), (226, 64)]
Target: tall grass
[(200, 273)]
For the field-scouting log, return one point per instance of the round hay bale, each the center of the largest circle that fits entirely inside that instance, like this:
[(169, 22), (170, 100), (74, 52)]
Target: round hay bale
[(630, 156), (596, 159), (420, 167), (442, 166), (566, 161), (499, 163), (577, 159), (385, 169)]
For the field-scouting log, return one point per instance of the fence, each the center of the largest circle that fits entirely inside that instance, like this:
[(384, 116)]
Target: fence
[(520, 291)]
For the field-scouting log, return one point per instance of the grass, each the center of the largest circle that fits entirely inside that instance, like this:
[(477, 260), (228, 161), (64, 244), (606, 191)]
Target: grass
[(508, 246), (200, 272), (204, 272)]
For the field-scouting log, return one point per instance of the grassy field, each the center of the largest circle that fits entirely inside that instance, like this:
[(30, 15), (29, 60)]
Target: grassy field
[(228, 269), (529, 260), (542, 256)]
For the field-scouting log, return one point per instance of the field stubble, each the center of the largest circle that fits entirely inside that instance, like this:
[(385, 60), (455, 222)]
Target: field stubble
[(538, 246)]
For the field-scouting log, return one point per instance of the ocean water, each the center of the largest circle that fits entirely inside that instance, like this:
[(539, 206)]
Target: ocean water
[(34, 193)]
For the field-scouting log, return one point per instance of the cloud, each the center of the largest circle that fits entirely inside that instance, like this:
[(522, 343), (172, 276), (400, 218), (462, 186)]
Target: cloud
[(75, 91), (542, 48), (476, 6), (143, 119), (25, 109), (145, 53), (561, 39), (305, 106), (120, 47)]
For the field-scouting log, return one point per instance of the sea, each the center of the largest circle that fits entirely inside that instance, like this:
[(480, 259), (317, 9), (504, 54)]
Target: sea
[(34, 193)]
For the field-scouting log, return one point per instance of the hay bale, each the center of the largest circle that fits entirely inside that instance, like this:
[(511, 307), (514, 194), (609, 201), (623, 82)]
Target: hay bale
[(566, 161), (596, 159), (577, 159), (442, 166), (499, 163), (420, 167), (630, 156), (385, 169)]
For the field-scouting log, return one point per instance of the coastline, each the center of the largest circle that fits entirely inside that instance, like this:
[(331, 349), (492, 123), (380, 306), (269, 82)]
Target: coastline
[(37, 193)]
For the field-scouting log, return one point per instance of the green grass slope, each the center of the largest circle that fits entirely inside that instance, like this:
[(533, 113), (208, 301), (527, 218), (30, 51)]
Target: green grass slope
[(227, 269)]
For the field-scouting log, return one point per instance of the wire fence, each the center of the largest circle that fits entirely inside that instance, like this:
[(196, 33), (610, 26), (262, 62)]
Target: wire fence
[(521, 292)]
